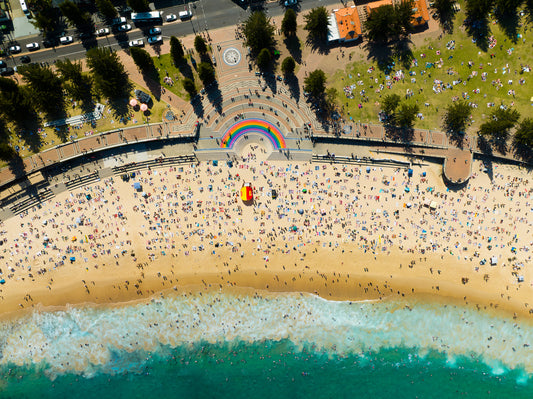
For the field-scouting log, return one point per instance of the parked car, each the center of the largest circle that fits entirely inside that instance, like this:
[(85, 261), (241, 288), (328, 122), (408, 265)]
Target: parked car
[(49, 43), (32, 46), (214, 60), (137, 43), (124, 28), (119, 21), (154, 32), (3, 64), (102, 32), (25, 59), (171, 17), (14, 49), (7, 71), (66, 40), (185, 14), (289, 3), (155, 39)]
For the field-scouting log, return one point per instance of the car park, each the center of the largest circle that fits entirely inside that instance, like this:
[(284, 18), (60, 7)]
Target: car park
[(25, 59), (66, 39), (154, 32), (171, 17), (32, 46), (137, 43), (124, 28), (155, 39), (102, 32), (14, 49)]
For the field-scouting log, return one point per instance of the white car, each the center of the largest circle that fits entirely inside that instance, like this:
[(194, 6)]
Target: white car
[(185, 15), (155, 39), (32, 46), (14, 49), (154, 32), (66, 39), (171, 17), (137, 43), (103, 32), (124, 28)]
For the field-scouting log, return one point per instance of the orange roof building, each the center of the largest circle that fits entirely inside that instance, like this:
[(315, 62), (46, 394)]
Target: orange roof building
[(344, 25)]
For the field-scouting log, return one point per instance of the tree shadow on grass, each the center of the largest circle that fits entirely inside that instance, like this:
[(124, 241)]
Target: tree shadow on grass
[(185, 69), (509, 21), (402, 52), (480, 32), (295, 49), (381, 54)]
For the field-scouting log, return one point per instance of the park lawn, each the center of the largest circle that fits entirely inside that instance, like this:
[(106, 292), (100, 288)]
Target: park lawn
[(454, 68), (166, 67), (109, 121)]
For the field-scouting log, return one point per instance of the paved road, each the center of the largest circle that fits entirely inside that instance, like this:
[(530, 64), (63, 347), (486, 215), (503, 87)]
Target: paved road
[(207, 14)]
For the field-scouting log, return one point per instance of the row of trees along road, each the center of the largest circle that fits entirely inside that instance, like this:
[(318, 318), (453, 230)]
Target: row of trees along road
[(48, 18), (44, 90)]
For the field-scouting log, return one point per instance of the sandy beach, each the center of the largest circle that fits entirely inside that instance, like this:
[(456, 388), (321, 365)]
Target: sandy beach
[(341, 232)]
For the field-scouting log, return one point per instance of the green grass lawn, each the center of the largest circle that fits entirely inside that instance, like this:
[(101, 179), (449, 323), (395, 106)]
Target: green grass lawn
[(166, 68), (450, 65)]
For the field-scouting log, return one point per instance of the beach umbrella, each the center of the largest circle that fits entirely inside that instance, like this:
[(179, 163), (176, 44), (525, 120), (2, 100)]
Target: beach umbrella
[(368, 169), (2, 281), (133, 102), (247, 193), (144, 107), (304, 190), (294, 228), (407, 189), (301, 211)]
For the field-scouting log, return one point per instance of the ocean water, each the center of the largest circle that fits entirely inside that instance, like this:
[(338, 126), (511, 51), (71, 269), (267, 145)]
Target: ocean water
[(243, 344)]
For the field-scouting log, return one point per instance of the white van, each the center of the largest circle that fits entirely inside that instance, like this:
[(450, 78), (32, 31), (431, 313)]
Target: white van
[(185, 15)]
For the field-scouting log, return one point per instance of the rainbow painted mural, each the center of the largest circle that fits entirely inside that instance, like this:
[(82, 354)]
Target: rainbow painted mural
[(253, 125)]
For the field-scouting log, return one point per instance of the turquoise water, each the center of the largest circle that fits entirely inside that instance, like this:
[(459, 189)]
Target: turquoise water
[(264, 345)]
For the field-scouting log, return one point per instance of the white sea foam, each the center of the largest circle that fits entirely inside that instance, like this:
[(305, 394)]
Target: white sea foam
[(85, 340)]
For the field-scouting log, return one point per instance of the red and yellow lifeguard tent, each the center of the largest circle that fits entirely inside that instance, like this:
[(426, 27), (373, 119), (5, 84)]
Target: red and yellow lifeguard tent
[(247, 192)]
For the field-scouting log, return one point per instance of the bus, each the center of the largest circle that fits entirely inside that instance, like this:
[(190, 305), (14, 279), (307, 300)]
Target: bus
[(152, 17), (24, 8)]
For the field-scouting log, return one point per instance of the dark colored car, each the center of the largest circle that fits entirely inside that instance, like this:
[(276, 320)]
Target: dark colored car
[(25, 59), (50, 43), (3, 64), (7, 71)]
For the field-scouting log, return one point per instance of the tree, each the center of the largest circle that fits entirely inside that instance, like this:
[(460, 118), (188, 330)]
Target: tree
[(142, 59), (288, 65), (524, 133), (106, 8), (206, 72), (80, 19), (259, 32), (74, 81), (389, 105), (45, 88), (14, 104), (381, 24), (315, 83), (139, 5), (109, 75), (406, 115), (190, 87), (263, 59), (199, 45), (46, 17), (176, 50), (500, 123), (289, 25), (445, 11), (316, 23), (456, 117)]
